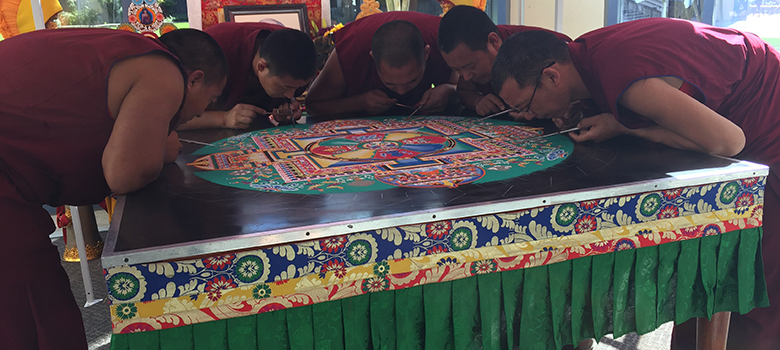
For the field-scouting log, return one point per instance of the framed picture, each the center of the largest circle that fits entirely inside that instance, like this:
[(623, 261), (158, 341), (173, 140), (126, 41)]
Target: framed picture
[(289, 15)]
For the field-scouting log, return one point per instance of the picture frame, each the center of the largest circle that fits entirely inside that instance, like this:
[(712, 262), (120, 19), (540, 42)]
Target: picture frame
[(292, 16)]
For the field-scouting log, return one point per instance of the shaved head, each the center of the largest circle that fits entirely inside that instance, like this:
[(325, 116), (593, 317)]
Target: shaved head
[(465, 25), (396, 43)]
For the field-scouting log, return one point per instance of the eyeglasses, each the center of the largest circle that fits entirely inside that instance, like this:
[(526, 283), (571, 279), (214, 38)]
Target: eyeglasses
[(527, 109)]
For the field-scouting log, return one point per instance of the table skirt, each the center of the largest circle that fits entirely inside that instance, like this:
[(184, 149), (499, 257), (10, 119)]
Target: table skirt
[(544, 307)]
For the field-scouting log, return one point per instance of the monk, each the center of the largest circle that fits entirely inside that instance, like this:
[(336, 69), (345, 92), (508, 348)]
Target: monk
[(680, 83), (381, 61), (83, 112), (469, 42), (269, 66)]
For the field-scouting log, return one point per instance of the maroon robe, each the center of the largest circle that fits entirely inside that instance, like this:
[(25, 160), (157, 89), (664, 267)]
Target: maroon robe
[(505, 31), (735, 74), (54, 125), (353, 44), (239, 43)]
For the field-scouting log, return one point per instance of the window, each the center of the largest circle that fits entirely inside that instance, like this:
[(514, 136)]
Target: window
[(756, 16)]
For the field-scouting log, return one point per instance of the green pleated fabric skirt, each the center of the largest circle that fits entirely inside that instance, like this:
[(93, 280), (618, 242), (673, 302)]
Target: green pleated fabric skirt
[(543, 307)]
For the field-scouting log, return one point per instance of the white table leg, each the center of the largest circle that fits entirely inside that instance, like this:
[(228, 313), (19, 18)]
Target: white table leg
[(78, 214)]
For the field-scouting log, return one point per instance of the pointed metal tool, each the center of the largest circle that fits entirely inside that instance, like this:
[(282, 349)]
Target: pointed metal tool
[(415, 110), (539, 137), (196, 142), (410, 107), (499, 113)]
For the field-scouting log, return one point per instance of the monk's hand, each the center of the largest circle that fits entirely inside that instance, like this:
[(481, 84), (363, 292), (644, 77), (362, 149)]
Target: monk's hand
[(241, 115), (489, 104), (571, 118), (295, 108), (172, 147), (287, 112), (598, 128), (436, 99), (376, 102)]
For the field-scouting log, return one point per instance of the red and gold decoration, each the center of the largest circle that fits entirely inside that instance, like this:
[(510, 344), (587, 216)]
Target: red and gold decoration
[(145, 16), (167, 28), (126, 27), (92, 241)]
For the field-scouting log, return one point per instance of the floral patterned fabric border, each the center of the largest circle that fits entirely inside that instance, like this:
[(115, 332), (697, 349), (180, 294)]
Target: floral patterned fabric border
[(224, 299), (536, 229)]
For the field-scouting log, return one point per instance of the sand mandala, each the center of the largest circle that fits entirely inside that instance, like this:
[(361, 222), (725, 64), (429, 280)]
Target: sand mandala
[(374, 154)]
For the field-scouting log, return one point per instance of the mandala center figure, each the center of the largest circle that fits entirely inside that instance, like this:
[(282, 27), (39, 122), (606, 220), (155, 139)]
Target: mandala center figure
[(381, 146)]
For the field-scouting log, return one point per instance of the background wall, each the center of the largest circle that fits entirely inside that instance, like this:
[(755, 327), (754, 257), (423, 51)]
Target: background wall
[(573, 18)]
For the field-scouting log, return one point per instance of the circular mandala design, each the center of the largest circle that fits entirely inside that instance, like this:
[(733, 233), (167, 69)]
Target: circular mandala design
[(375, 284), (249, 269), (377, 154), (125, 311), (360, 249), (146, 17), (359, 252), (261, 292), (728, 193), (123, 286), (437, 230), (650, 204), (460, 238), (586, 223), (483, 267), (566, 214), (381, 269)]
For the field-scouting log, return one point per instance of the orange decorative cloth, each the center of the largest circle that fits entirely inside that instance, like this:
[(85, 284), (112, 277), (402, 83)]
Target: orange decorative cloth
[(16, 16)]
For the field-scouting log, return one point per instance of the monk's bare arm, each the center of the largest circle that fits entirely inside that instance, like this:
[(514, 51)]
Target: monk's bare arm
[(682, 121), (325, 93), (144, 94)]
